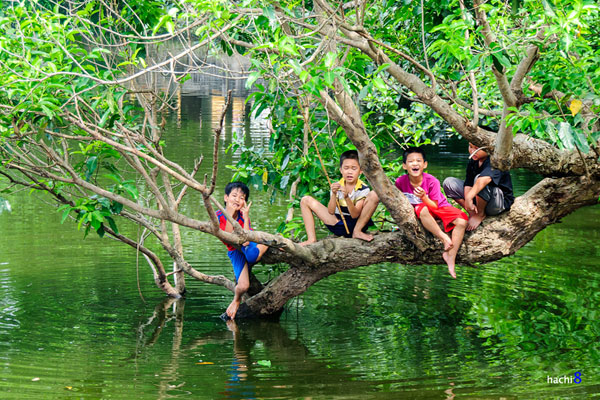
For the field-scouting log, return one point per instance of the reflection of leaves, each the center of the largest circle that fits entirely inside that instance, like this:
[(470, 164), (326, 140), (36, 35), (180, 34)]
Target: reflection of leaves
[(264, 363), (4, 205)]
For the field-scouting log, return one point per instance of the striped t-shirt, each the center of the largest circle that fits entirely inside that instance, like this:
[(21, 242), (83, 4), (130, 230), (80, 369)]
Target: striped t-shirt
[(361, 190)]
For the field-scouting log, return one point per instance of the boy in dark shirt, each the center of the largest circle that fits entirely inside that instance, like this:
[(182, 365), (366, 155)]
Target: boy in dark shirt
[(485, 190)]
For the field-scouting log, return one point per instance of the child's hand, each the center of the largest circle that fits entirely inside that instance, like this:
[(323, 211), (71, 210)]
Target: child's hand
[(245, 210), (470, 205), (335, 187), (344, 191), (419, 192)]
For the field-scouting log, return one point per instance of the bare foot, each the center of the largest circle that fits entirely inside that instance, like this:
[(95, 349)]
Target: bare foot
[(362, 235), (450, 264), (474, 221), (232, 309), (447, 242), (307, 242)]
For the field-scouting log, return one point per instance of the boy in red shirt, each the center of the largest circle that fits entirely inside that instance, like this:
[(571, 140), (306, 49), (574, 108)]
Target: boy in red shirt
[(236, 195)]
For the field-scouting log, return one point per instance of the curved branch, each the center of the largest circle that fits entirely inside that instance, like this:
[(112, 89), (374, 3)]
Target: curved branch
[(497, 237)]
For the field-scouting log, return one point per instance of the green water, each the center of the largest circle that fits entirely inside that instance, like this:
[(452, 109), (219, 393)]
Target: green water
[(74, 324)]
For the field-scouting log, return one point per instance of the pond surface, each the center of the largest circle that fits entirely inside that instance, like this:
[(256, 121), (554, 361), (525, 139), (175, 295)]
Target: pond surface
[(74, 324)]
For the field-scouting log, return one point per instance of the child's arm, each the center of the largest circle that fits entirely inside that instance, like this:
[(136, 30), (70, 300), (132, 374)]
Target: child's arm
[(420, 193), (354, 209), (478, 186)]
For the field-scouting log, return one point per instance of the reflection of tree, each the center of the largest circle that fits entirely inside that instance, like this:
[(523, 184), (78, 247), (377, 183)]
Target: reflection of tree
[(160, 316), (295, 369)]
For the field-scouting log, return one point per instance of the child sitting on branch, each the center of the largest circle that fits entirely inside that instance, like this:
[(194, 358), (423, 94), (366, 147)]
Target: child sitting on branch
[(351, 204), (485, 190), (424, 193), (242, 260)]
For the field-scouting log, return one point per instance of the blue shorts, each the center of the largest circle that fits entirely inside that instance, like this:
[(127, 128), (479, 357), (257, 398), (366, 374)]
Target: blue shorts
[(340, 230), (239, 258)]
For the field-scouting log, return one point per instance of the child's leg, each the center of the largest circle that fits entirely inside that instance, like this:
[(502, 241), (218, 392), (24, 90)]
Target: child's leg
[(254, 251), (458, 233), (432, 226), (242, 287), (454, 189), (308, 205), (368, 209)]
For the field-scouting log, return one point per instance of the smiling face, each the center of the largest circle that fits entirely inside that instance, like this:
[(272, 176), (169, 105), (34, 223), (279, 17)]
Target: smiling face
[(350, 170), (414, 165), (235, 199), (479, 155)]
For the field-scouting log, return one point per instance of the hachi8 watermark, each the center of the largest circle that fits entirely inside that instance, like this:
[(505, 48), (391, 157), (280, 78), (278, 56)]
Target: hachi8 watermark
[(565, 379)]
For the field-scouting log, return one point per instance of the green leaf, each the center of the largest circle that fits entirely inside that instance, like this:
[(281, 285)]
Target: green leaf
[(379, 84), (264, 363), (382, 68), (581, 141), (329, 77), (254, 75), (296, 66), (565, 133), (92, 164), (269, 12), (284, 182), (330, 60), (65, 214), (285, 161), (112, 224), (131, 189)]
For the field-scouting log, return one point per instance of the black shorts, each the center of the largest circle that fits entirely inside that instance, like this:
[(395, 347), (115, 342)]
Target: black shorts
[(339, 229)]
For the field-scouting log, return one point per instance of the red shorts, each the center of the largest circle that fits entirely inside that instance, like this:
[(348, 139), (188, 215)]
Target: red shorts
[(446, 214)]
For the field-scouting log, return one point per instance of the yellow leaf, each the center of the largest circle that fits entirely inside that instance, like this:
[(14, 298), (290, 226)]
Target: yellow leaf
[(205, 363), (265, 177), (69, 387), (575, 106)]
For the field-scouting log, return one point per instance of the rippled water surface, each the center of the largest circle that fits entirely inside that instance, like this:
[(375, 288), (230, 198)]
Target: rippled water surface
[(80, 319)]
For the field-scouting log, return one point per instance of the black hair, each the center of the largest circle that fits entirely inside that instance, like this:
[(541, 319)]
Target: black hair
[(348, 155), (237, 185), (411, 150)]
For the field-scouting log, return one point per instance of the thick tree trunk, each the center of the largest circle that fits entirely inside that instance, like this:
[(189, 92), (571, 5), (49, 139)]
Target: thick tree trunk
[(544, 204)]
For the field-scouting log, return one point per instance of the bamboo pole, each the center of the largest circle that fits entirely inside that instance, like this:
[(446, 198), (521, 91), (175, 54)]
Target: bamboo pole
[(306, 121)]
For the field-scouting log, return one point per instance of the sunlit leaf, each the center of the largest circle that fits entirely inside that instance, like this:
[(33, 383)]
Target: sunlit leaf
[(575, 106)]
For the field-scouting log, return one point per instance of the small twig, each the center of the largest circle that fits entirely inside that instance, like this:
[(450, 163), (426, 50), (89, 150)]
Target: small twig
[(218, 132)]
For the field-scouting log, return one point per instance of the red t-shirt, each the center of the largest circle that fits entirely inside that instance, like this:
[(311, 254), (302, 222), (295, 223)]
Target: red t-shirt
[(223, 223)]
